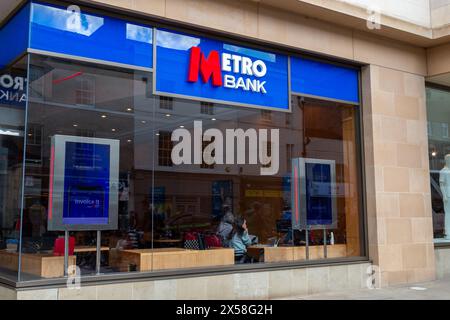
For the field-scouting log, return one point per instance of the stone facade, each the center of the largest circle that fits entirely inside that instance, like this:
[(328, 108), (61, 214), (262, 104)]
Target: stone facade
[(399, 206), (442, 255), (254, 285)]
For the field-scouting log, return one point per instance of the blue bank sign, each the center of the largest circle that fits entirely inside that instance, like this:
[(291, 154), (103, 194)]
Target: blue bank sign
[(200, 68), (184, 65)]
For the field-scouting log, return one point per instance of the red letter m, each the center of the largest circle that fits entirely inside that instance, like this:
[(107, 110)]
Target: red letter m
[(206, 66)]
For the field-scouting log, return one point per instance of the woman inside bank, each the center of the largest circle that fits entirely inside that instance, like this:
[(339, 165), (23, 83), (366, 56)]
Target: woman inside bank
[(240, 240)]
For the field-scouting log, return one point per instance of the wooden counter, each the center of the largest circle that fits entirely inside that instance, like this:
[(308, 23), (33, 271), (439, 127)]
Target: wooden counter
[(270, 254), (87, 249), (169, 258), (286, 254), (41, 265)]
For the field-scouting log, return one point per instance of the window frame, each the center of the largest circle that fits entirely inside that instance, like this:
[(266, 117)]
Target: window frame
[(432, 134)]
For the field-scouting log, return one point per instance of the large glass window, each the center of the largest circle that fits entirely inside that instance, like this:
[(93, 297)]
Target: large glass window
[(200, 185), (438, 114), (12, 128)]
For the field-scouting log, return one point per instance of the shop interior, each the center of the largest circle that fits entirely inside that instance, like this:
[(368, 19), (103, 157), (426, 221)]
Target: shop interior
[(170, 216)]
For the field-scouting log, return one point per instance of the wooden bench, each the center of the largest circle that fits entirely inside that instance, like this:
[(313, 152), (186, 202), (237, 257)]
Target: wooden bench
[(41, 265), (169, 258)]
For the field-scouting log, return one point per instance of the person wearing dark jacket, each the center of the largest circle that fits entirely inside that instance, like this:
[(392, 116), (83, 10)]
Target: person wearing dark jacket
[(225, 228)]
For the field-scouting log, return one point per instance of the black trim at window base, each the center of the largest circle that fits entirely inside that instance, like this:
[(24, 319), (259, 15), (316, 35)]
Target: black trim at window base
[(442, 245), (126, 277)]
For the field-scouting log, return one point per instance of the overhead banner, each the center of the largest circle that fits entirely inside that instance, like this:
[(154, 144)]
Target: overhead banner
[(200, 68), (91, 36), (84, 182), (14, 36), (320, 79)]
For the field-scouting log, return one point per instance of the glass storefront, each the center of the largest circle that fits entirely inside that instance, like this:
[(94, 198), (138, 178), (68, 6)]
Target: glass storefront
[(12, 128), (200, 185), (438, 116)]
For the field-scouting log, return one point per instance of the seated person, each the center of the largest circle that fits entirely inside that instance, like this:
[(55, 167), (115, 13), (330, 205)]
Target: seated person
[(126, 241), (240, 240), (225, 228)]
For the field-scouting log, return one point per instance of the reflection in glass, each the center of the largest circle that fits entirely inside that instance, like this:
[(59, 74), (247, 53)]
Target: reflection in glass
[(176, 41), (12, 126), (139, 33), (438, 116), (65, 20)]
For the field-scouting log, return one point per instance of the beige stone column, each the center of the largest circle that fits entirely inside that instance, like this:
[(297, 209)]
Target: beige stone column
[(399, 223)]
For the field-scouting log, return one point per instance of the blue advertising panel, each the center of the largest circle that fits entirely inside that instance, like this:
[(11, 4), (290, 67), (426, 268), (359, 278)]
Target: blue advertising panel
[(86, 183), (313, 197), (222, 197), (158, 194), (90, 36), (319, 205), (14, 37), (196, 67), (326, 80)]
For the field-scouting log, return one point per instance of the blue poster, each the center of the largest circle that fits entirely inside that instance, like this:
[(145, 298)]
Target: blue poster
[(319, 205), (196, 67), (159, 200), (222, 197), (86, 183)]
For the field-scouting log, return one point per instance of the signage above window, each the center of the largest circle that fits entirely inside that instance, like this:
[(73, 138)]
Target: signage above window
[(195, 67), (319, 79), (90, 36), (184, 65)]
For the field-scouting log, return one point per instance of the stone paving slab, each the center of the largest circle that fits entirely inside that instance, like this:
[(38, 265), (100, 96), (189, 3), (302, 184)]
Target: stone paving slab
[(436, 290)]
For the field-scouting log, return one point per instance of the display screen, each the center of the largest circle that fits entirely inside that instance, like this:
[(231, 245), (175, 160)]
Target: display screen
[(319, 196), (86, 183)]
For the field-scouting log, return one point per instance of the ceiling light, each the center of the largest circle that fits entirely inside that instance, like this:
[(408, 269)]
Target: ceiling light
[(103, 116), (8, 132)]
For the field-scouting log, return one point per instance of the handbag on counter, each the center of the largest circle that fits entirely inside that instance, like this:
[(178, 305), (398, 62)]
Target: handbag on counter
[(191, 241), (212, 241)]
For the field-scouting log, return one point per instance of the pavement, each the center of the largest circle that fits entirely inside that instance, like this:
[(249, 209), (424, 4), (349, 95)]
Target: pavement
[(436, 290)]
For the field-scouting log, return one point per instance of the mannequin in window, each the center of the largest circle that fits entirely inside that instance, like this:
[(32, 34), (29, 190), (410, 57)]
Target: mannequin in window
[(444, 183)]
